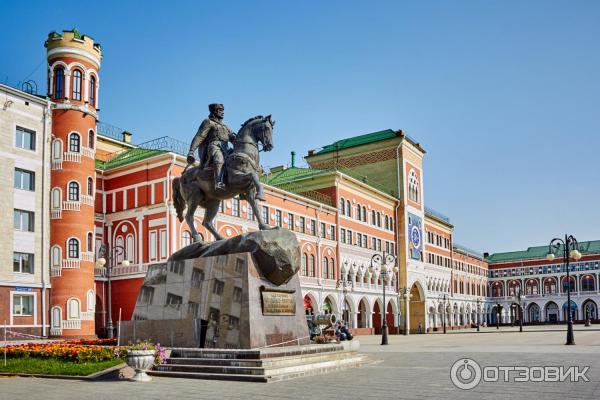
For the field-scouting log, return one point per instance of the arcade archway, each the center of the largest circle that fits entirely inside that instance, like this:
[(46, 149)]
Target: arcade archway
[(417, 309)]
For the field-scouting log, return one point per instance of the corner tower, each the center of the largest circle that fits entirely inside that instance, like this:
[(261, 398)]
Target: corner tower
[(73, 67)]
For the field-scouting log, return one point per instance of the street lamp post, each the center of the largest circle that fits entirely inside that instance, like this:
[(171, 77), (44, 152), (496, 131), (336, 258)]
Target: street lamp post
[(478, 305), (521, 303), (570, 250), (107, 257), (498, 315), (380, 261), (444, 299), (405, 293)]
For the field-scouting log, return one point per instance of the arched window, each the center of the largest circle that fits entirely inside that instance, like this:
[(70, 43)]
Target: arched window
[(587, 283), (59, 83), (90, 242), (342, 206), (90, 186), (93, 91), (130, 248), (57, 150), (413, 186), (91, 300), (358, 215), (55, 256), (56, 198), (186, 238), (119, 243), (55, 317), (331, 268), (305, 264), (74, 143), (324, 266), (378, 219), (91, 139), (348, 208), (76, 85), (73, 247), (312, 265), (73, 191), (373, 217), (364, 214), (387, 223), (72, 309)]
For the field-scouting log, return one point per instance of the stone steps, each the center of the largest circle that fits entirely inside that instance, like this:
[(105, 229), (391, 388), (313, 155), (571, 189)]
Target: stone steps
[(262, 365)]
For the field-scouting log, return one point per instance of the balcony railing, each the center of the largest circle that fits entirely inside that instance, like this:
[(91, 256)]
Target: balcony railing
[(69, 205), (121, 270), (87, 315), (87, 256), (56, 214), (87, 200), (56, 164), (71, 324), (71, 263), (55, 271), (99, 271), (87, 152), (72, 157), (55, 331)]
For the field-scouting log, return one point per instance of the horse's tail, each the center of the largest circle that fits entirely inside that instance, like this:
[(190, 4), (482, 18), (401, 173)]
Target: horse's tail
[(178, 199)]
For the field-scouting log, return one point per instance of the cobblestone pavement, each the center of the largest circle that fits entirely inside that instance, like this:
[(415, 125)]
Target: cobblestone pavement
[(411, 367)]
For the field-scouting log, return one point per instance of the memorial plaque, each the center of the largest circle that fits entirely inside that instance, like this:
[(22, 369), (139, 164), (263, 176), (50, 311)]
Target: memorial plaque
[(278, 302)]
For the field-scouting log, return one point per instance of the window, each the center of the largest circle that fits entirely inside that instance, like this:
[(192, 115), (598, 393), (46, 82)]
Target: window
[(130, 248), (55, 256), (413, 186), (349, 237), (73, 309), (374, 243), (57, 150), (163, 244), (24, 179), (342, 206), (331, 268), (348, 209), (23, 220), (387, 223), (378, 219), (56, 317), (364, 214), (324, 266), (91, 300), (74, 143), (22, 304), (90, 186), (290, 221), (373, 218), (152, 245), (302, 224), (358, 214), (250, 213), (343, 235), (197, 277), (218, 286), (305, 264), (73, 246), (73, 191), (265, 214), (76, 85), (332, 232), (240, 264), (59, 83), (234, 322), (93, 91), (25, 138), (214, 314), (186, 238), (312, 265), (23, 263), (174, 301), (313, 227), (278, 218), (90, 242), (359, 237), (91, 139), (235, 206), (237, 294)]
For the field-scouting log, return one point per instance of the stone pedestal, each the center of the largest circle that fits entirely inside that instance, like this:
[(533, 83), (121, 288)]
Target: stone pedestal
[(219, 301)]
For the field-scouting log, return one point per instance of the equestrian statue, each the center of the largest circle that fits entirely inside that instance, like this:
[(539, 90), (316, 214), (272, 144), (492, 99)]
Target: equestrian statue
[(222, 173)]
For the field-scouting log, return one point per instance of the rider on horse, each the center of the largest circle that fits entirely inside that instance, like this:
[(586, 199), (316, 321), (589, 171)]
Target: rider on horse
[(212, 140)]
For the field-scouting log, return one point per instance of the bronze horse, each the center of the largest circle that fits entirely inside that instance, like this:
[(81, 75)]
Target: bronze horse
[(196, 188)]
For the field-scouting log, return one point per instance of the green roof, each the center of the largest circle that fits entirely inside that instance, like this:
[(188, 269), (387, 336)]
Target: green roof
[(591, 247), (127, 157), (358, 141), (292, 174)]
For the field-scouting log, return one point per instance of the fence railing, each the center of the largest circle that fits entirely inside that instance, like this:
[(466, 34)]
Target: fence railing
[(71, 263), (71, 324), (72, 157)]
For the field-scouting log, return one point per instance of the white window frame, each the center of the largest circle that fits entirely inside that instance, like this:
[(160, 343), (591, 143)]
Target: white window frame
[(164, 248), (70, 301), (152, 253)]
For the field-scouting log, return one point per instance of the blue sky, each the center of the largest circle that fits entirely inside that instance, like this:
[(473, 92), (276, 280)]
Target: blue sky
[(504, 96)]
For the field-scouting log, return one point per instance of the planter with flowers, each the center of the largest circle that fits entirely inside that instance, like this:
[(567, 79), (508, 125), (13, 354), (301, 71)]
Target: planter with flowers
[(141, 356)]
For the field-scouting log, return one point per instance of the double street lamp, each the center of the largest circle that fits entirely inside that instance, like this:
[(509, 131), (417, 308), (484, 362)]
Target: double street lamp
[(444, 299), (521, 302), (478, 312), (344, 284), (570, 249), (107, 257), (379, 262)]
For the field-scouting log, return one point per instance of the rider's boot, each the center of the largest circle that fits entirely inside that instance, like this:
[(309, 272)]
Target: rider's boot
[(260, 194), (218, 176)]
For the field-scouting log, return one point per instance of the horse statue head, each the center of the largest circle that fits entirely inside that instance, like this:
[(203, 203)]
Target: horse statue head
[(258, 129)]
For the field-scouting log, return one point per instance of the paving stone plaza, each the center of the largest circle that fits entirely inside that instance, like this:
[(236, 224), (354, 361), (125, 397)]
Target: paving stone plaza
[(411, 367)]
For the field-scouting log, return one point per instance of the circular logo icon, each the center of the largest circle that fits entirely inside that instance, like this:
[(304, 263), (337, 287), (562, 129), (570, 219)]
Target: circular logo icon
[(465, 374), (415, 237)]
